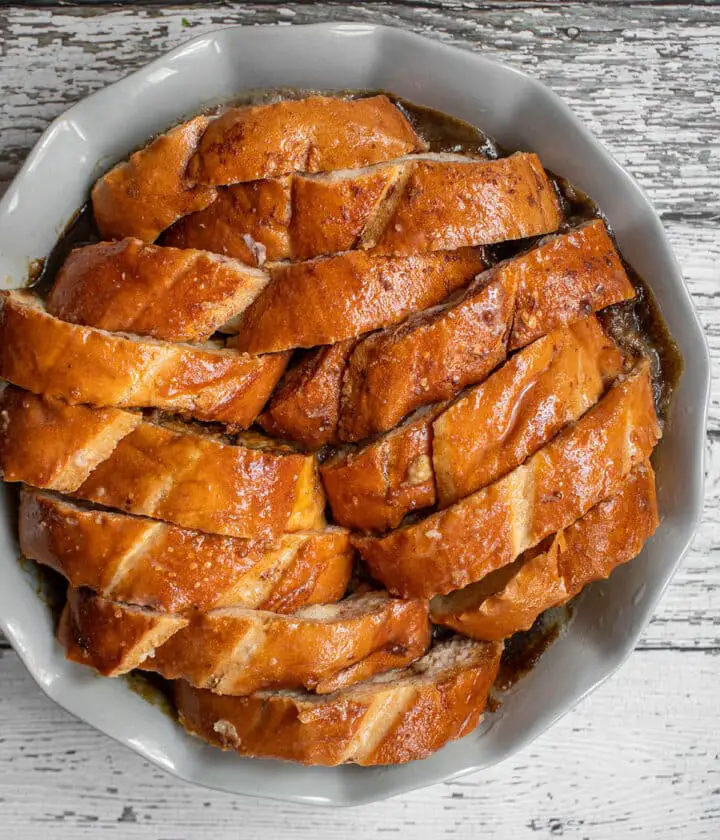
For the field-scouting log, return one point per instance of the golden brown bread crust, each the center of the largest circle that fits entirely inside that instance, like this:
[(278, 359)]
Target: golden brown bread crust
[(239, 651), (247, 221), (86, 365), (168, 473), (496, 425), (48, 443), (330, 212), (165, 293), (297, 217), (306, 404), (511, 598), (146, 194), (198, 482), (564, 279), (314, 134), (446, 205), (428, 358), (399, 717), (106, 635), (372, 487), (322, 648), (489, 529), (152, 564), (327, 300)]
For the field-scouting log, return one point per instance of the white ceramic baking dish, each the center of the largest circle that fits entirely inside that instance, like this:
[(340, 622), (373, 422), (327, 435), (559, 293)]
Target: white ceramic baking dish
[(521, 114)]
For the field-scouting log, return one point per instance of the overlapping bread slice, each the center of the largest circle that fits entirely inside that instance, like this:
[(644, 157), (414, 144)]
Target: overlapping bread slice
[(423, 202), (372, 487), (240, 651), (584, 464), (434, 354), (493, 427), (314, 134), (87, 365), (252, 489), (153, 564), (390, 719), (146, 194), (327, 300), (305, 407), (250, 222), (511, 598), (445, 205), (428, 358), (165, 293), (443, 453)]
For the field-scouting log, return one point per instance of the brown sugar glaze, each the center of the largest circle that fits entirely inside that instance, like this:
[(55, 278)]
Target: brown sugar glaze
[(636, 325)]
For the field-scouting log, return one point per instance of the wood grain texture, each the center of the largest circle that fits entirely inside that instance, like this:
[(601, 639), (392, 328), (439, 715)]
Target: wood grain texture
[(639, 757), (635, 759)]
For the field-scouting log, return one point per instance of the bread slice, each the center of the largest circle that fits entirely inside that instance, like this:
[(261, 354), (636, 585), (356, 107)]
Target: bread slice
[(372, 487), (564, 279), (327, 300), (86, 365), (434, 354), (511, 598), (330, 211), (165, 293), (315, 134), (201, 483), (146, 194), (561, 482), (495, 426), (247, 221), (393, 718), (107, 636), (48, 443), (239, 651), (297, 217), (251, 489), (446, 205), (429, 357), (152, 564), (306, 404)]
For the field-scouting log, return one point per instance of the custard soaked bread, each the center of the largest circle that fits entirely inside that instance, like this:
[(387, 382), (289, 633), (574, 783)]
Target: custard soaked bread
[(394, 207), (511, 598), (305, 135), (86, 365), (170, 472), (146, 194), (153, 564), (391, 719), (434, 354), (443, 453), (372, 487), (428, 358), (495, 426), (247, 221), (305, 406), (327, 300), (239, 651), (489, 529), (408, 315), (166, 293), (444, 205)]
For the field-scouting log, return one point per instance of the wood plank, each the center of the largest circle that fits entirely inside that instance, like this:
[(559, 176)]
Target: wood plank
[(638, 757)]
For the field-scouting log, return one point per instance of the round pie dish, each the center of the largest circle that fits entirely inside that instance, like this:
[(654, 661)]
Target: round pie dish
[(521, 114)]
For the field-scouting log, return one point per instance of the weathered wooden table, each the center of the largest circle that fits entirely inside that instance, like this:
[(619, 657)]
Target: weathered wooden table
[(640, 757)]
